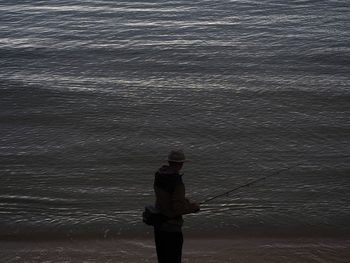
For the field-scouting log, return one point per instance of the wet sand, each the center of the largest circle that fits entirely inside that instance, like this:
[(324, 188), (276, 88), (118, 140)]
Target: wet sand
[(243, 250)]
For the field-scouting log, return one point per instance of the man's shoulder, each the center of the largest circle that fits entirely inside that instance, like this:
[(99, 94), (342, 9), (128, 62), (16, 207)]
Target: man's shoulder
[(167, 180)]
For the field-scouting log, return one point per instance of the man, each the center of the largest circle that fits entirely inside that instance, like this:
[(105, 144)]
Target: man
[(171, 202)]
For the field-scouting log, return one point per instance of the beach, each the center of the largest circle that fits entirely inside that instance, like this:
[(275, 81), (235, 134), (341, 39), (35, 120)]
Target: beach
[(240, 250)]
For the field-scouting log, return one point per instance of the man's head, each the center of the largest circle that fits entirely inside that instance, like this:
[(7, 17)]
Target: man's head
[(176, 159), (176, 166)]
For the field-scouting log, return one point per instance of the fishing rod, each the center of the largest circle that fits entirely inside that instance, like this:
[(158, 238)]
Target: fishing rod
[(248, 184)]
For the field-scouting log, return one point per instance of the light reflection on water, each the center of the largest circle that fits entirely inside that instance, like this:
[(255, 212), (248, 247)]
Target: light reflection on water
[(94, 95)]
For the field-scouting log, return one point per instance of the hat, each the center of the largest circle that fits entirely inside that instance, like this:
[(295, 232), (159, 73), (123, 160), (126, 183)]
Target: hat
[(177, 156)]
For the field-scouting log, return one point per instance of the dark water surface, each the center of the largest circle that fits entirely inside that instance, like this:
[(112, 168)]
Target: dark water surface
[(93, 95)]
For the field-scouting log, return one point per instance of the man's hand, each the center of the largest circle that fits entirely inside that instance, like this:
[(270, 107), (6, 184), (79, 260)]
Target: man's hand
[(193, 205), (196, 207)]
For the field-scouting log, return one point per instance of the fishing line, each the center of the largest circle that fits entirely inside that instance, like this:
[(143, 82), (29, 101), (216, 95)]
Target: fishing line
[(247, 184)]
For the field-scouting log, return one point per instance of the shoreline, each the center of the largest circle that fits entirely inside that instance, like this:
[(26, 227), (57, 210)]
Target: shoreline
[(48, 237), (245, 250), (82, 240)]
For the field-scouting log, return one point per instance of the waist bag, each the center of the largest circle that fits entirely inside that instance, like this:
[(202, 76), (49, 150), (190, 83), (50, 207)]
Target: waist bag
[(151, 216)]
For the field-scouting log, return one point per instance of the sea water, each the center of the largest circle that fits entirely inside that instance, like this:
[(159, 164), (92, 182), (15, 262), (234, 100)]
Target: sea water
[(94, 94)]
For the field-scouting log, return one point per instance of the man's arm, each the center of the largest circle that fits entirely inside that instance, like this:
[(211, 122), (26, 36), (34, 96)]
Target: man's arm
[(181, 205)]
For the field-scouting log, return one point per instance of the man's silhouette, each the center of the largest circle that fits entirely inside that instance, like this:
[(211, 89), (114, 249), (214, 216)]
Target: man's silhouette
[(171, 202)]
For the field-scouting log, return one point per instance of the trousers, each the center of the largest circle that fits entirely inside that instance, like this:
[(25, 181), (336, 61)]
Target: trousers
[(168, 246)]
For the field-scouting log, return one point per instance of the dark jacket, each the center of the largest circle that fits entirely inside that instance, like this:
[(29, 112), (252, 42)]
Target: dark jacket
[(170, 197)]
